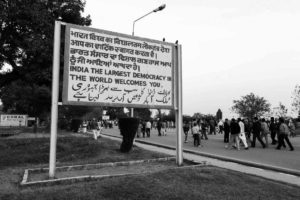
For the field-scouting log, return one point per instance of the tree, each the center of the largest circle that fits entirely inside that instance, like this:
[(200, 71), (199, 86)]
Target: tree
[(26, 44), (73, 112), (115, 112), (142, 113), (198, 115), (95, 113), (251, 106), (170, 116), (296, 99), (159, 114), (187, 118), (280, 111)]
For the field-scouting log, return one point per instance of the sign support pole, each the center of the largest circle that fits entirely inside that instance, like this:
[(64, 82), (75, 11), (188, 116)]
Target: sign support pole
[(178, 109), (131, 113), (54, 104), (132, 109)]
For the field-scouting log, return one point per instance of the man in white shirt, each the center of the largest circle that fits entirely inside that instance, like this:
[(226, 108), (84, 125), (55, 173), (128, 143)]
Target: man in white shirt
[(221, 125), (196, 134), (242, 135), (148, 128)]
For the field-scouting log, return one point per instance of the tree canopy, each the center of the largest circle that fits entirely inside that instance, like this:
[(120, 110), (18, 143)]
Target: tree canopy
[(165, 115), (142, 113), (296, 99), (251, 106), (26, 44), (279, 111)]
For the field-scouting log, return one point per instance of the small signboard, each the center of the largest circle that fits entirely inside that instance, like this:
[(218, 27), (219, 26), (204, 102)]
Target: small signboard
[(105, 117), (112, 69), (13, 120)]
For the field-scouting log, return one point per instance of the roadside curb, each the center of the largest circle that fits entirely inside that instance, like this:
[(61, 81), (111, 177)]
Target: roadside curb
[(27, 172), (223, 158)]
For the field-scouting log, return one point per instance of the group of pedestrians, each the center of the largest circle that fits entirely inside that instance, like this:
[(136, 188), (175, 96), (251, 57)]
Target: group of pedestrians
[(199, 129), (95, 126), (240, 131), (145, 128), (237, 132)]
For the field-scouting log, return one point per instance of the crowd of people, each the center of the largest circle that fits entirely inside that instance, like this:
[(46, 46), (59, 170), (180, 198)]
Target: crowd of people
[(279, 131), (237, 132), (145, 127), (244, 132), (199, 129), (95, 126)]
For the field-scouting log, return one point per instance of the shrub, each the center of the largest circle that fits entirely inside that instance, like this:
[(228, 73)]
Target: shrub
[(128, 128)]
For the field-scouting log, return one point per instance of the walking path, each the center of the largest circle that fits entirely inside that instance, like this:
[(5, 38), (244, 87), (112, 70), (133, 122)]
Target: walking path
[(277, 165), (273, 164)]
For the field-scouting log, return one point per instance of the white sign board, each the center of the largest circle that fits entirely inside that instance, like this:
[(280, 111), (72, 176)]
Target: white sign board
[(105, 117), (13, 120), (113, 69)]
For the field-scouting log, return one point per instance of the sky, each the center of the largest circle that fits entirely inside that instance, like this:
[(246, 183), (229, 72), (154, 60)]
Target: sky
[(229, 48)]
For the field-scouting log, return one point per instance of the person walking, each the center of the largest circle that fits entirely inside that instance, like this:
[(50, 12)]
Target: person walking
[(264, 131), (221, 126), (158, 126), (139, 130), (283, 135), (204, 127), (164, 128), (212, 127), (234, 135), (248, 128), (196, 134), (242, 134), (277, 122), (273, 130), (292, 128), (226, 131), (148, 128), (143, 128), (186, 129), (256, 133), (84, 127), (94, 127)]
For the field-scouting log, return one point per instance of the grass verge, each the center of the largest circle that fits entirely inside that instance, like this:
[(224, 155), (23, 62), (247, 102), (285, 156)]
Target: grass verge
[(70, 150), (192, 183)]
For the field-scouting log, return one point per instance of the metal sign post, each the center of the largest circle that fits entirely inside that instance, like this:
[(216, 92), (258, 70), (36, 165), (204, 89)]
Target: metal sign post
[(178, 108), (54, 104)]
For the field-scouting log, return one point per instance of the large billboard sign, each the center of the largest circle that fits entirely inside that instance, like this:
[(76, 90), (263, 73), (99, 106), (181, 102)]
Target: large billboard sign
[(113, 69)]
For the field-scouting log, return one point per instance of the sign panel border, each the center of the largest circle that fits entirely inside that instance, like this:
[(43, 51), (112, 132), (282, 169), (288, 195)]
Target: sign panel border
[(115, 34)]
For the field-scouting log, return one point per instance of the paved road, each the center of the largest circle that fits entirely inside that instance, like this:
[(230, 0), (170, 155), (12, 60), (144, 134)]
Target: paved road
[(214, 145)]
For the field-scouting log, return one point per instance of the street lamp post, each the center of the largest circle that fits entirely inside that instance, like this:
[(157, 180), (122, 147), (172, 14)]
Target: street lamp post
[(153, 11)]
